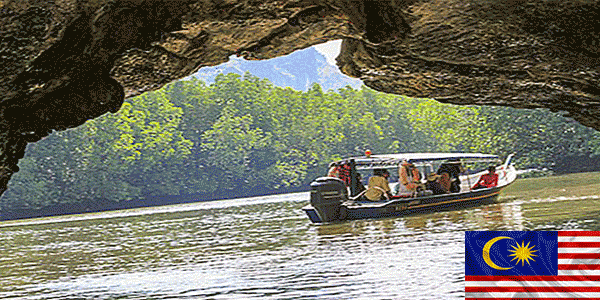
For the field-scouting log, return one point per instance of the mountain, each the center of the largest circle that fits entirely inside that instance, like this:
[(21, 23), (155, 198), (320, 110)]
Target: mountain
[(298, 70)]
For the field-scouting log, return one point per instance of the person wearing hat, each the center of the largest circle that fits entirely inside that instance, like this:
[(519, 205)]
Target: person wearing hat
[(433, 184), (409, 178), (487, 180), (378, 187), (450, 172)]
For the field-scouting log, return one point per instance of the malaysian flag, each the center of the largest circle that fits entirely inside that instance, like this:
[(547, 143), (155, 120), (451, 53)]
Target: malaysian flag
[(532, 265)]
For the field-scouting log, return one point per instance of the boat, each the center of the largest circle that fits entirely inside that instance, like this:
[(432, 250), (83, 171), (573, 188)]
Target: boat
[(334, 199)]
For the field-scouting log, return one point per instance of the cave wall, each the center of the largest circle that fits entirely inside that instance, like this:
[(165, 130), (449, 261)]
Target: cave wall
[(68, 61)]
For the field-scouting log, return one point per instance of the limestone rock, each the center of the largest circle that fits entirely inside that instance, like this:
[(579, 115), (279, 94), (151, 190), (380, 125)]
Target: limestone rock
[(68, 61)]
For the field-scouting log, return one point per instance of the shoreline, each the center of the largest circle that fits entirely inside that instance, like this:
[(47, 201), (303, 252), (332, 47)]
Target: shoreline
[(565, 185)]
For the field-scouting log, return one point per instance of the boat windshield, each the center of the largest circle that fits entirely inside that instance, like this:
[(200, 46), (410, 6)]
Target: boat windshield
[(356, 171), (418, 159)]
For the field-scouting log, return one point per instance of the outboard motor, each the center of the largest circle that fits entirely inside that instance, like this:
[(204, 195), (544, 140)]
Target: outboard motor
[(326, 196)]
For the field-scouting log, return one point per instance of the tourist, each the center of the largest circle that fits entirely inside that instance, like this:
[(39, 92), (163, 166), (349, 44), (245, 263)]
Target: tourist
[(333, 171), (450, 172), (409, 180), (487, 180), (378, 187), (433, 184)]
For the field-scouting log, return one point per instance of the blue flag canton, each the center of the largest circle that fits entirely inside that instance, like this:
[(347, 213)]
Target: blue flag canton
[(511, 253)]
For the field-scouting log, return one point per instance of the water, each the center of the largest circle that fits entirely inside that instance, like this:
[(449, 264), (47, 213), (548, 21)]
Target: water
[(258, 248)]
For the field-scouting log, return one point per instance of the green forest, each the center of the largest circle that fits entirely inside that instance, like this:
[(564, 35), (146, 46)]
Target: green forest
[(242, 135)]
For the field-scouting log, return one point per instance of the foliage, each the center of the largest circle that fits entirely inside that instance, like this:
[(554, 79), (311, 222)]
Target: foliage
[(104, 158), (542, 139), (243, 135)]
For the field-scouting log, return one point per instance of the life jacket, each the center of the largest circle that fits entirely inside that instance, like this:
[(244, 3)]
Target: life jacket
[(342, 172), (412, 174)]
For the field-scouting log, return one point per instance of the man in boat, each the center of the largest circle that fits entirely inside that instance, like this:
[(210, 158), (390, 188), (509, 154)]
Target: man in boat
[(487, 180), (450, 172), (409, 179), (378, 188), (433, 184)]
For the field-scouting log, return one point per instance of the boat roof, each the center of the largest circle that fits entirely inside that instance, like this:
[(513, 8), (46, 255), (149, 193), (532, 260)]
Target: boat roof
[(386, 160)]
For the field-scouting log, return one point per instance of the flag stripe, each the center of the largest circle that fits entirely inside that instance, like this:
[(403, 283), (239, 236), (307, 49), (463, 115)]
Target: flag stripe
[(578, 244), (547, 298), (578, 250), (578, 233), (578, 261), (532, 278), (579, 238), (578, 256), (547, 289), (530, 283), (579, 267), (535, 298), (519, 295), (579, 272)]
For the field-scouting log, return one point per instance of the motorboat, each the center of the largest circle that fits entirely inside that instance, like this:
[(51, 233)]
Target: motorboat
[(341, 197)]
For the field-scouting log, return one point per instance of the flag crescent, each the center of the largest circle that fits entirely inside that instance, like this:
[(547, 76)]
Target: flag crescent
[(486, 252)]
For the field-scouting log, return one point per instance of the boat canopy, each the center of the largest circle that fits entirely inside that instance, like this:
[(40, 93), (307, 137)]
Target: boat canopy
[(391, 160)]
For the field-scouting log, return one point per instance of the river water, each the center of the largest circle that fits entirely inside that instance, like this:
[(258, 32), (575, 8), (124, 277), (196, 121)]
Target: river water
[(258, 248)]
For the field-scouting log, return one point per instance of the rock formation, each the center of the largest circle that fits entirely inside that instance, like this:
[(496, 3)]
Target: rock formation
[(67, 61)]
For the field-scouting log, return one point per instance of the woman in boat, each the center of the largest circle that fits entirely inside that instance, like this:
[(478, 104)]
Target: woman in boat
[(409, 179), (450, 172), (378, 188), (487, 180)]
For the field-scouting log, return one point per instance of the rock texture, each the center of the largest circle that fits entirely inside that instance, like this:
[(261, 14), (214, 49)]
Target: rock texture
[(67, 61)]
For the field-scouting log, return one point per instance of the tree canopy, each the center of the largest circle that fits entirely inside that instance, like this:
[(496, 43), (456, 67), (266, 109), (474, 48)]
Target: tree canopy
[(243, 134)]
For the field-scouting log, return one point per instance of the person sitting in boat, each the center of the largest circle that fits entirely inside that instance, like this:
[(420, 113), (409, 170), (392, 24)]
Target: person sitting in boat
[(433, 184), (450, 172), (487, 180), (334, 171), (409, 179), (378, 188)]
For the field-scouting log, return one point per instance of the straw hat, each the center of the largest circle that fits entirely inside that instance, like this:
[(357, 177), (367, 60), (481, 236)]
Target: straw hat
[(433, 177)]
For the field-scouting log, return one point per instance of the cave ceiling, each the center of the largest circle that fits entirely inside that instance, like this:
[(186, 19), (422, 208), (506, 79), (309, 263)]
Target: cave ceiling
[(67, 61)]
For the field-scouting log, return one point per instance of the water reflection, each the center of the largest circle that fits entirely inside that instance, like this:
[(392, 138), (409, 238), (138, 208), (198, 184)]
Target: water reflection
[(258, 248)]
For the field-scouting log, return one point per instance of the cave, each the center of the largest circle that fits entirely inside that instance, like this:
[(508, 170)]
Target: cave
[(65, 62)]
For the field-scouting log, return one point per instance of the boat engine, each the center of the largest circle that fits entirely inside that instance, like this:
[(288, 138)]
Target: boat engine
[(326, 197)]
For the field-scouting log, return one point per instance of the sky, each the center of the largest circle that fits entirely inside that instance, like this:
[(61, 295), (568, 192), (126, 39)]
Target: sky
[(330, 49)]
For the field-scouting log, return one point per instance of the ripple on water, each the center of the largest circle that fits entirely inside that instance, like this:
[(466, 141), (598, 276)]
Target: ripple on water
[(258, 248)]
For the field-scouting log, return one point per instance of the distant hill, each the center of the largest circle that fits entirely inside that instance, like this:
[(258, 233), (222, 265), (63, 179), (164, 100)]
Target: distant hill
[(298, 70)]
